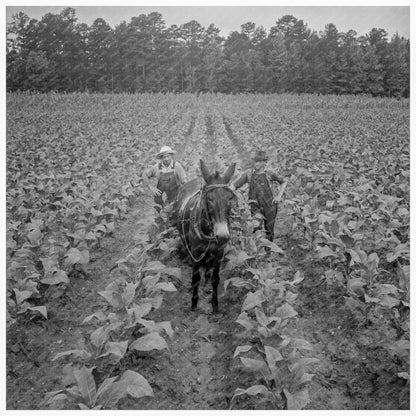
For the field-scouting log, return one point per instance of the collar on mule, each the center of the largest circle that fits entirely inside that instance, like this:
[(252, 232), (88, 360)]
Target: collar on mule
[(195, 217)]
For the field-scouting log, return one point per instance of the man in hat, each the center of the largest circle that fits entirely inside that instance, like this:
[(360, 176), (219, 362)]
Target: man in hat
[(260, 193), (170, 176)]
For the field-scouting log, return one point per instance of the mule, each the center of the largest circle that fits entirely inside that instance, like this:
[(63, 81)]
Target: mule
[(202, 216)]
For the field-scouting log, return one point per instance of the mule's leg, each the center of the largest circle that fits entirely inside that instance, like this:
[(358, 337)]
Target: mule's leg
[(215, 282), (196, 277), (208, 279)]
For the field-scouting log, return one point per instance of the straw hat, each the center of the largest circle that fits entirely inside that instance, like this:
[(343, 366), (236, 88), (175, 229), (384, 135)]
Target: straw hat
[(165, 150)]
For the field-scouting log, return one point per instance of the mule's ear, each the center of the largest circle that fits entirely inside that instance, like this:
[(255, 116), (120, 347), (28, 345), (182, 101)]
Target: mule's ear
[(204, 170), (229, 173)]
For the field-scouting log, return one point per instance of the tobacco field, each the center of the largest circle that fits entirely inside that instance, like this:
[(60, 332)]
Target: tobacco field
[(98, 295)]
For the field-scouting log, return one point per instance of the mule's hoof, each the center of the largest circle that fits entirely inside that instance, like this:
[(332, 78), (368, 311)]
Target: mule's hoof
[(215, 310), (193, 308)]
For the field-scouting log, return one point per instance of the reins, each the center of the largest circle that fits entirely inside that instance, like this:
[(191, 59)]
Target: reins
[(198, 230)]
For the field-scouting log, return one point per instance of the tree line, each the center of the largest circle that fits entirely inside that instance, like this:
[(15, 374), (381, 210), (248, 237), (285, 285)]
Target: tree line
[(58, 54)]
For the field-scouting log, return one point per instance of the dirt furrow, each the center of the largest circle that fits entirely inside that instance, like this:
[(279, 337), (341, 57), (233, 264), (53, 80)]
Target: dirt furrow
[(234, 139), (195, 373), (180, 148), (210, 148)]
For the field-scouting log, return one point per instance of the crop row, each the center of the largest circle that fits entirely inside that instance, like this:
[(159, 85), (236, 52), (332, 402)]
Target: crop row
[(349, 194), (72, 161), (118, 333), (136, 292), (99, 375)]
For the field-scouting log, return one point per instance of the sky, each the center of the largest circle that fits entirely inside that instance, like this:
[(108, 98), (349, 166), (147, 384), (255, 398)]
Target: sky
[(359, 18)]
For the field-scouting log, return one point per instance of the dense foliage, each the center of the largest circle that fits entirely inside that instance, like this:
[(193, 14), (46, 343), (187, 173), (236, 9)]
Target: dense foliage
[(73, 162), (59, 54)]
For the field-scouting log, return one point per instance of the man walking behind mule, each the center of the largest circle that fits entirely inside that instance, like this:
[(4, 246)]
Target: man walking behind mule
[(170, 175), (260, 193)]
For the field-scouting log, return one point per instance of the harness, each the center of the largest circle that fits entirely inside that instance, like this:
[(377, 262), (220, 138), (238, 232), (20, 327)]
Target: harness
[(194, 222)]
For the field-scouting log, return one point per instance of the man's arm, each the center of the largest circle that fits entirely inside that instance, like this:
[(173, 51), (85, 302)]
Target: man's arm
[(276, 178), (282, 189), (240, 181), (283, 183), (180, 173), (151, 173)]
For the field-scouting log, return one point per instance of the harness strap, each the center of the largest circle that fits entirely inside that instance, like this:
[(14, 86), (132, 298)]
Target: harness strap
[(184, 204), (196, 225)]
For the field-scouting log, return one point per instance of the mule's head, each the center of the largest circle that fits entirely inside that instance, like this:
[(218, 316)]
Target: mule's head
[(218, 200)]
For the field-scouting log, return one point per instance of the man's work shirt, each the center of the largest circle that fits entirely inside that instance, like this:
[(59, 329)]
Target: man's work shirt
[(156, 170)]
